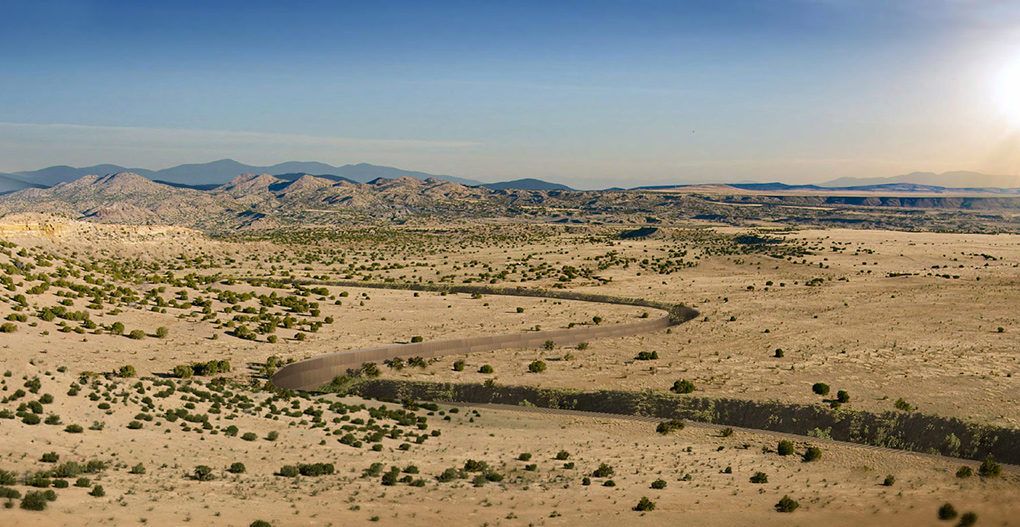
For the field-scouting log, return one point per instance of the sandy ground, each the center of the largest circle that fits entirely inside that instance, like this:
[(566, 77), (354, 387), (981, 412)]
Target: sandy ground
[(880, 320), (844, 487)]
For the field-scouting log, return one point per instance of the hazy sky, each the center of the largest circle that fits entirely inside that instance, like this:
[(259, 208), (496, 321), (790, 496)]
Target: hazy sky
[(590, 93)]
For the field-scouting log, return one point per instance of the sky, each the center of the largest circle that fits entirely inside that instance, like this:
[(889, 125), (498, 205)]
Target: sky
[(590, 93)]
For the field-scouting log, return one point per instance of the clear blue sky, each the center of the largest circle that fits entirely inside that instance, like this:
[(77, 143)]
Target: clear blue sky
[(591, 93)]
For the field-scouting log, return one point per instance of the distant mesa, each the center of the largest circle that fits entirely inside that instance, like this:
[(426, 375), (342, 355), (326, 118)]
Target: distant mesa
[(953, 180), (925, 182), (526, 184)]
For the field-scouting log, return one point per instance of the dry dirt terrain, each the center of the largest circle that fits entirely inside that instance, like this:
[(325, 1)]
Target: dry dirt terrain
[(146, 350)]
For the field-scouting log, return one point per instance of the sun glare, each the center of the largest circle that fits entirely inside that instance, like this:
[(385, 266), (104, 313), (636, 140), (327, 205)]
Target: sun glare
[(1007, 92)]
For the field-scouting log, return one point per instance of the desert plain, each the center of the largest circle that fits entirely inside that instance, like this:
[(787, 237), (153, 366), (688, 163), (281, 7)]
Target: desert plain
[(138, 360)]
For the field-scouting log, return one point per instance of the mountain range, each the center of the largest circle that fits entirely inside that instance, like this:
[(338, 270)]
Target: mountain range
[(208, 175), (259, 200), (265, 201)]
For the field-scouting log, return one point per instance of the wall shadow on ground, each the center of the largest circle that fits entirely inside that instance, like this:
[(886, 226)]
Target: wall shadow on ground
[(900, 430)]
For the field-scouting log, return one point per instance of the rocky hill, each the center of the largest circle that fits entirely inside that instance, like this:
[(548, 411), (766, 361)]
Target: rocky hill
[(252, 200), (124, 197), (263, 201)]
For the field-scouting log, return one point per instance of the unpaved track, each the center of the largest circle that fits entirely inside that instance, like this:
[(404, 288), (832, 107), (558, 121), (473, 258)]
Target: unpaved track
[(314, 373)]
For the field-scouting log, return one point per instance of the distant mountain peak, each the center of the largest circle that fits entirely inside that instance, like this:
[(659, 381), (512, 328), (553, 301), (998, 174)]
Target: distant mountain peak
[(118, 183), (306, 183), (248, 183), (955, 179)]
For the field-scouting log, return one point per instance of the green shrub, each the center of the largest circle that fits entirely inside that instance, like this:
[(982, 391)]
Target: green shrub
[(842, 396), (536, 366), (785, 448), (658, 484), (34, 501), (820, 388), (812, 453), (289, 471), (672, 425), (900, 404), (126, 371), (682, 386), (604, 471), (97, 492), (391, 478), (786, 504), (316, 469), (947, 512), (162, 332), (448, 475), (889, 480), (647, 355), (237, 468), (645, 504), (203, 473), (760, 477), (136, 334), (485, 369), (964, 472), (989, 468)]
